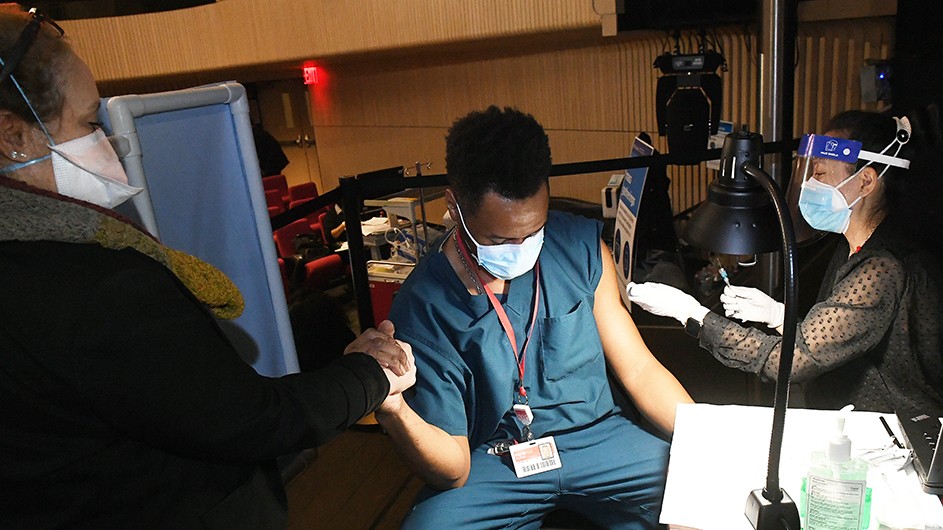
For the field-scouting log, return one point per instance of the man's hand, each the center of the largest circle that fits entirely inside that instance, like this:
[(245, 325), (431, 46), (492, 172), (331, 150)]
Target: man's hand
[(389, 352)]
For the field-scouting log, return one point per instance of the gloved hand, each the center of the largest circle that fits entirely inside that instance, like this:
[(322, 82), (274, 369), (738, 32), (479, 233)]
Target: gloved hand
[(752, 305), (664, 300)]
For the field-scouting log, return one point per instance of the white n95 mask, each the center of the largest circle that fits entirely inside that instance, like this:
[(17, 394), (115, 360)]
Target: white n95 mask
[(87, 168)]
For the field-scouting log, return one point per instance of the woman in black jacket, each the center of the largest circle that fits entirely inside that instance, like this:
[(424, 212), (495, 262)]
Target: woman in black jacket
[(122, 404), (873, 338)]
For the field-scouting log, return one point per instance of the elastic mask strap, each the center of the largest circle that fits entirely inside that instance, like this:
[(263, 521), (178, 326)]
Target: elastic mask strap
[(854, 202), (853, 175), (461, 218), (13, 167), (30, 105)]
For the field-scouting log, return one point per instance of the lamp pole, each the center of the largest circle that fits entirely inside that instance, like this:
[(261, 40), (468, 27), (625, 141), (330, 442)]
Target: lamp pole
[(772, 508)]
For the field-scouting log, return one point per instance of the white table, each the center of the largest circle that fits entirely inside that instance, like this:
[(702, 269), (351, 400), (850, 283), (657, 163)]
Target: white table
[(719, 454)]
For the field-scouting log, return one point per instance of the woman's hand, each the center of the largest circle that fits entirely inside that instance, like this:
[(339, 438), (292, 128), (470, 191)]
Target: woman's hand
[(752, 305), (399, 383), (389, 352), (666, 301)]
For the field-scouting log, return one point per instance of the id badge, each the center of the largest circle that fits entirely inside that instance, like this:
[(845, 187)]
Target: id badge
[(535, 456), (524, 414)]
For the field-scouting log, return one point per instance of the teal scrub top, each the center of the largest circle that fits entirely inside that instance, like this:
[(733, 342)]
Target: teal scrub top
[(467, 373)]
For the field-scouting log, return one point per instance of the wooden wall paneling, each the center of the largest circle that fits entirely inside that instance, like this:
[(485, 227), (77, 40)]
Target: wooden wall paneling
[(799, 85), (580, 146), (348, 151), (851, 67), (646, 77), (831, 55), (241, 33), (821, 81), (867, 54), (593, 101), (839, 78), (632, 88), (807, 94), (395, 108)]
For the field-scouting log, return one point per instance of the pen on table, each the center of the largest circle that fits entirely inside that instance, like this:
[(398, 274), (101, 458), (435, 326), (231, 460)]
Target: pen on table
[(890, 432)]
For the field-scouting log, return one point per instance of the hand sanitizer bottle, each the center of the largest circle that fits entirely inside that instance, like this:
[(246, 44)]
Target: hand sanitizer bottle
[(834, 494)]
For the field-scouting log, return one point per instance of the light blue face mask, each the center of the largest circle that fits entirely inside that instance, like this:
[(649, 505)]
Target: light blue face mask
[(509, 260), (822, 205)]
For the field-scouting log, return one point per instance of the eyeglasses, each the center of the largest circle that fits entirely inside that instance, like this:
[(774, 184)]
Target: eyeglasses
[(25, 40)]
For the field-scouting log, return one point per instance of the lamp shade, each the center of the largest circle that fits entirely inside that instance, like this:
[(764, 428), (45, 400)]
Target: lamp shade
[(738, 216)]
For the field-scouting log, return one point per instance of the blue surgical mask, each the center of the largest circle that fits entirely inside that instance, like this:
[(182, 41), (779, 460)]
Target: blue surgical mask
[(824, 207), (509, 260)]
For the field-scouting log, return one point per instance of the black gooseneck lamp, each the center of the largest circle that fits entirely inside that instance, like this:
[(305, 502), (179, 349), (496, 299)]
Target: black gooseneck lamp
[(743, 206)]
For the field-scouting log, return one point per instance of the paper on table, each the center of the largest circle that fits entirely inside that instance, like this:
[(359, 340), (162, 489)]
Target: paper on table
[(375, 225), (710, 465)]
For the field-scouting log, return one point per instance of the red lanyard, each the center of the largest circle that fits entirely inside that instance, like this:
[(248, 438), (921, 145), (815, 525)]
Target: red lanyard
[(506, 322)]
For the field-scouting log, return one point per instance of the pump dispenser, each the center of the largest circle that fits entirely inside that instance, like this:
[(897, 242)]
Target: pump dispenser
[(834, 494), (839, 447)]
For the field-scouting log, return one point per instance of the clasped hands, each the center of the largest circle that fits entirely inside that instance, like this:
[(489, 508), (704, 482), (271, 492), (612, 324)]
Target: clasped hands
[(395, 356), (743, 303)]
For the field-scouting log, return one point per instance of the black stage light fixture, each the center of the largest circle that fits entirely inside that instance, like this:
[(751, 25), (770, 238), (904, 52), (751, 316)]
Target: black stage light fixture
[(737, 219), (688, 101)]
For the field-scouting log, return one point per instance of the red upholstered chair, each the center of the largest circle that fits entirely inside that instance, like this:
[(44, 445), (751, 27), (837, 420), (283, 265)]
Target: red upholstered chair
[(316, 228), (284, 272), (275, 210), (325, 272), (324, 231), (277, 182), (320, 273), (274, 198), (298, 202), (284, 236), (303, 191)]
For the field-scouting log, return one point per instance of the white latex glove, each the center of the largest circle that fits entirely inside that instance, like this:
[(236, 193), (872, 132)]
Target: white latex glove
[(752, 305), (666, 301)]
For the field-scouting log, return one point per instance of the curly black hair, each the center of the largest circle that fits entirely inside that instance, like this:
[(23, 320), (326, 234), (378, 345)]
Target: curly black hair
[(504, 151), (38, 73)]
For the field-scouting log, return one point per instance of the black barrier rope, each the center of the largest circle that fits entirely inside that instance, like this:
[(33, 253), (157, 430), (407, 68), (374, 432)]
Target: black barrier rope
[(392, 184), (393, 181)]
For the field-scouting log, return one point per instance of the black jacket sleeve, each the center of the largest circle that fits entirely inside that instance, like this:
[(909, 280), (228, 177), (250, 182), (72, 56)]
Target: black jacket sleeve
[(152, 362)]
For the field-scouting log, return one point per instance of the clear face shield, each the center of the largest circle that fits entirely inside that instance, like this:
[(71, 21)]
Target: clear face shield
[(823, 166)]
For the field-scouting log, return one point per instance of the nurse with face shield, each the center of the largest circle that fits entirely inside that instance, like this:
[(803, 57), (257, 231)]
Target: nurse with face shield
[(824, 162), (873, 337)]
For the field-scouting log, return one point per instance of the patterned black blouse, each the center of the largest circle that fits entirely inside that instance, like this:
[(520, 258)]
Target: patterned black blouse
[(872, 339)]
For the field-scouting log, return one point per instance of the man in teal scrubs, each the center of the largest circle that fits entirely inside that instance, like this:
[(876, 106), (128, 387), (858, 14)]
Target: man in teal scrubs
[(513, 320)]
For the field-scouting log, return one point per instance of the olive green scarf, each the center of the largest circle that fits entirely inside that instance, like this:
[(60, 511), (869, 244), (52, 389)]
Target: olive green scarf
[(30, 214)]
